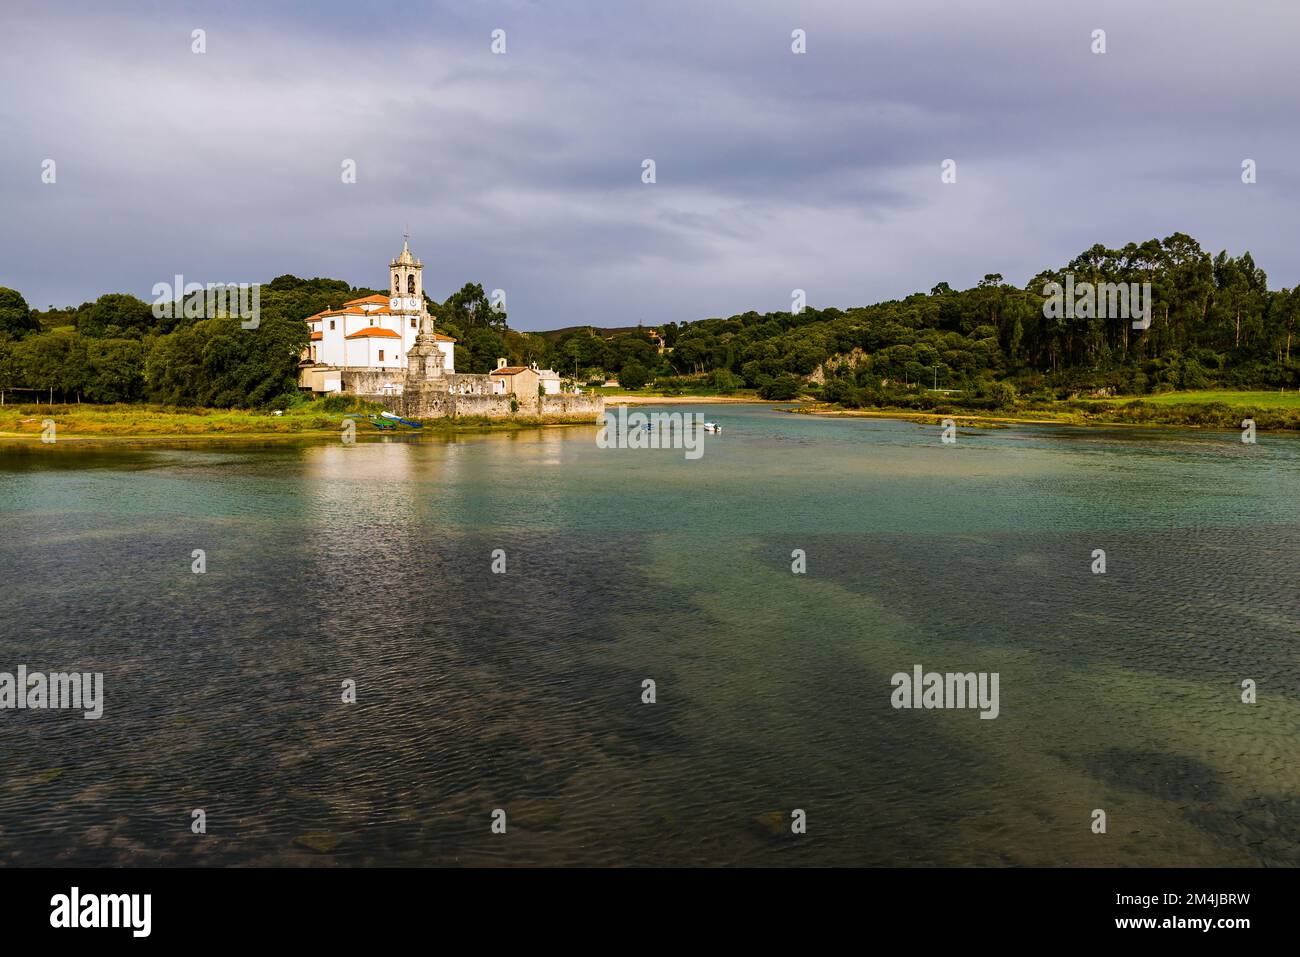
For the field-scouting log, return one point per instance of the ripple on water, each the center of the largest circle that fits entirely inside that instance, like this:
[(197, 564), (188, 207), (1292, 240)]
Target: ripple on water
[(523, 691)]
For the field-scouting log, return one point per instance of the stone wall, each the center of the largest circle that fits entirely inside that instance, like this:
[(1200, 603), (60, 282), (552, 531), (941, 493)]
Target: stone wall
[(468, 395), (369, 382), (568, 406), (387, 382), (469, 383), (432, 404)]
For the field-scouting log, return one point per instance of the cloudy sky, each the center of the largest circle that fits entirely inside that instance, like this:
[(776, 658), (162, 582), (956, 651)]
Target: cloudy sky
[(523, 171)]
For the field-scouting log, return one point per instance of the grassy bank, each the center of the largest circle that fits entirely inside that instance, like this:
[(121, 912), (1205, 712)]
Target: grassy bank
[(1210, 409), (1246, 400), (144, 421), (108, 420)]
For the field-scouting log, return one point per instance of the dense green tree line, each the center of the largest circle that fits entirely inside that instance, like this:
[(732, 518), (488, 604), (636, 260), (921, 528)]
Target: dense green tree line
[(1213, 322), (116, 350)]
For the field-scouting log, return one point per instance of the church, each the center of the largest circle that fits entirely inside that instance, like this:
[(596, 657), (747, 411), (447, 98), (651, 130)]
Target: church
[(373, 335), (384, 349)]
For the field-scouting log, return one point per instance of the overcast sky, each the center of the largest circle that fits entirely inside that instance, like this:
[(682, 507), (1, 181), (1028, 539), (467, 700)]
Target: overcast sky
[(523, 171)]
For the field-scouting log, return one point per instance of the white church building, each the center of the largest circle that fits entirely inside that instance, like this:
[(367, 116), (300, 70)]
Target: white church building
[(369, 338)]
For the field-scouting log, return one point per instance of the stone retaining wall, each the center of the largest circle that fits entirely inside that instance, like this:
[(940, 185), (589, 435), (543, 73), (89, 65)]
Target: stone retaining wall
[(431, 404)]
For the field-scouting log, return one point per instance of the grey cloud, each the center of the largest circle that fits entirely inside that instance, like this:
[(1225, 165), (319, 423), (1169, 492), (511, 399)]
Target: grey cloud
[(775, 171)]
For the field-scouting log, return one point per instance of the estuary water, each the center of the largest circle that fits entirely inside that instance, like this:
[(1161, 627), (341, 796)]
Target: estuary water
[(523, 690)]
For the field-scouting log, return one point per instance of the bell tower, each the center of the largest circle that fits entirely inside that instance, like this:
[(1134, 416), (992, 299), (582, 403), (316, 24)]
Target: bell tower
[(405, 279)]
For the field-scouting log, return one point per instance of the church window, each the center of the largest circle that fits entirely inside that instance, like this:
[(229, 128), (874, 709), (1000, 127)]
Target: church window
[(410, 285), (381, 355), (331, 323), (412, 323)]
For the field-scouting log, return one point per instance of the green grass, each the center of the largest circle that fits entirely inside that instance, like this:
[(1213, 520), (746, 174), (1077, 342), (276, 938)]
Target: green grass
[(1203, 409), (1252, 400), (127, 419), (323, 416)]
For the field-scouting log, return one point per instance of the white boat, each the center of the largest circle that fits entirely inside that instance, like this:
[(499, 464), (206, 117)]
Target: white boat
[(712, 427)]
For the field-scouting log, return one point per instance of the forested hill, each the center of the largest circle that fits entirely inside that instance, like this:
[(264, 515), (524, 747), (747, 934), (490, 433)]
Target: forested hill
[(1214, 322)]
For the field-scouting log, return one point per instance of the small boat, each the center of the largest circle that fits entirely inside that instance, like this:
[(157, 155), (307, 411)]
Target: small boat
[(712, 427), (398, 419)]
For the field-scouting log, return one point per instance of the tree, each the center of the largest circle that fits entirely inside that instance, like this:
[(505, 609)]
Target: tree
[(53, 361), (581, 349), (115, 315), (469, 308), (478, 350), (633, 376), (8, 365), (16, 317), (116, 372)]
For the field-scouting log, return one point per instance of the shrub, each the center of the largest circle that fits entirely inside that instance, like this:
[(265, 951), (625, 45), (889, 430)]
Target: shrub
[(1002, 395), (836, 390), (783, 388), (345, 403), (724, 380), (287, 400)]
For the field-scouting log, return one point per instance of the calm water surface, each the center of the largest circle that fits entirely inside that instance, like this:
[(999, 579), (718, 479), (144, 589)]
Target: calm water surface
[(522, 691)]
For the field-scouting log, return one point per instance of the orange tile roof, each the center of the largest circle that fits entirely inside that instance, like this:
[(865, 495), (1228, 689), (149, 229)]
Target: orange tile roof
[(382, 300), (510, 370), (374, 332), (317, 335)]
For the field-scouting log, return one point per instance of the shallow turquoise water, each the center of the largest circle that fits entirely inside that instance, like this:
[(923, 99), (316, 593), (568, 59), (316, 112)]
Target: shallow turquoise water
[(522, 690)]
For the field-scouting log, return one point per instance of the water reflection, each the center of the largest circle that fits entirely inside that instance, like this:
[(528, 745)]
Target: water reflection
[(372, 563)]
